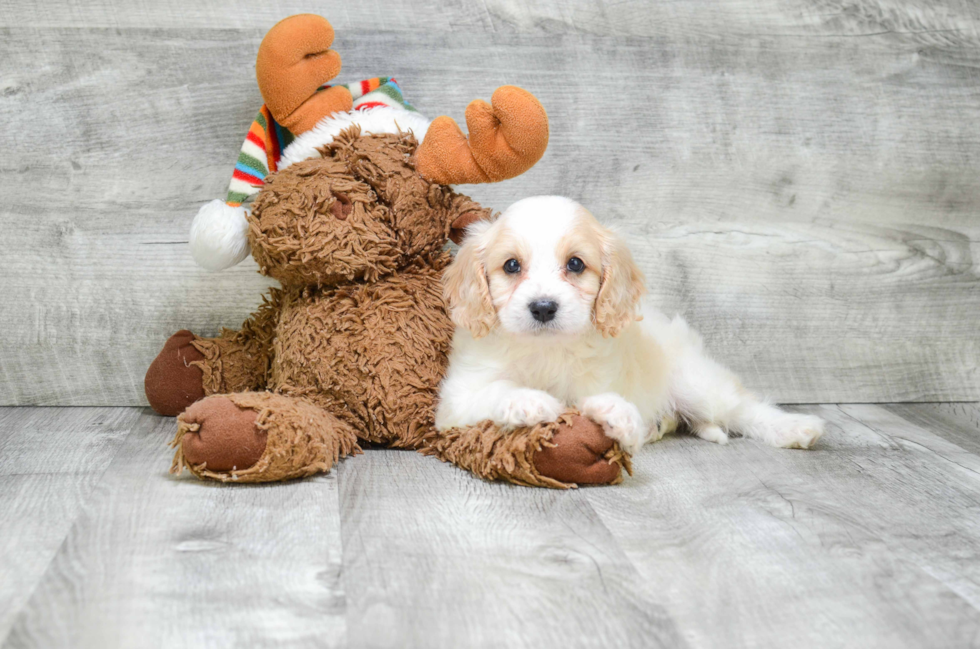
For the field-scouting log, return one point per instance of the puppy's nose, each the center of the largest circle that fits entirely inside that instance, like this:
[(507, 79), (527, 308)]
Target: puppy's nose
[(543, 310)]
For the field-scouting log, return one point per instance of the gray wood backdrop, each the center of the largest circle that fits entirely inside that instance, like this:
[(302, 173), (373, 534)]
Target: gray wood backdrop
[(798, 177)]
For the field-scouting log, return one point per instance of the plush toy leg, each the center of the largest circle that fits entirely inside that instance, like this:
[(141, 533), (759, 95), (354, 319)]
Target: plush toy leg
[(232, 363), (190, 368), (259, 437), (571, 451)]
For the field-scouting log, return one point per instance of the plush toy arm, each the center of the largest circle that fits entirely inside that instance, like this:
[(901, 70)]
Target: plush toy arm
[(190, 367), (570, 451), (237, 361)]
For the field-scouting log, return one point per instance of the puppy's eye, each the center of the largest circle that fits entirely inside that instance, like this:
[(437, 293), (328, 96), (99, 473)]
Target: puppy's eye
[(512, 266), (575, 265)]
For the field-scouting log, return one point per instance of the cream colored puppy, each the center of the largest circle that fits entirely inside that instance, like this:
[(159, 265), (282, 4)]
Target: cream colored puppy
[(547, 304)]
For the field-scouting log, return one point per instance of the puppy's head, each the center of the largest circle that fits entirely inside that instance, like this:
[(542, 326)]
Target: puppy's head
[(545, 267)]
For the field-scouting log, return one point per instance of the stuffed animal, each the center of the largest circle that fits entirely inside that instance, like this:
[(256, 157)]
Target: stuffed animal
[(351, 213)]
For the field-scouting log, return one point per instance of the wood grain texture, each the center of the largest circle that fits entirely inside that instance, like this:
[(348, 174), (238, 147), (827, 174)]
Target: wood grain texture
[(361, 16), (958, 423), (797, 177), (945, 22), (50, 460), (434, 557), (158, 561), (869, 540)]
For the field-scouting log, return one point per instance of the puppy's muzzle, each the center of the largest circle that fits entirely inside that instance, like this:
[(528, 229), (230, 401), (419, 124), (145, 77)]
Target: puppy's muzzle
[(543, 310)]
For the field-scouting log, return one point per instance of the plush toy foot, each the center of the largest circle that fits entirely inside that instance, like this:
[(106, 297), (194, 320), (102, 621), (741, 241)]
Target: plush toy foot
[(221, 435), (258, 437), (172, 383), (580, 453)]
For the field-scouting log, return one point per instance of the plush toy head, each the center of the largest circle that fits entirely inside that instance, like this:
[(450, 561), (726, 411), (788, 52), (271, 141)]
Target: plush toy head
[(354, 204), (357, 211)]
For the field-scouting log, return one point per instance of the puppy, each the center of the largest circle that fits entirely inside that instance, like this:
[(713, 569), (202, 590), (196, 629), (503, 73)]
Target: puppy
[(547, 304)]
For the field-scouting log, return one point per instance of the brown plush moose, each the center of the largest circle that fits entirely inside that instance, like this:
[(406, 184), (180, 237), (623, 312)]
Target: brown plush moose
[(351, 217)]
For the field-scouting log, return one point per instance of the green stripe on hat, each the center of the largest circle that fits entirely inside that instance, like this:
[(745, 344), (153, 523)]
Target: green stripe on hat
[(236, 197), (391, 90), (254, 163)]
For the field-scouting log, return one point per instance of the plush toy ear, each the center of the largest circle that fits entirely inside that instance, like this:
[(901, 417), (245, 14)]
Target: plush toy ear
[(219, 235), (457, 231), (620, 288), (465, 286)]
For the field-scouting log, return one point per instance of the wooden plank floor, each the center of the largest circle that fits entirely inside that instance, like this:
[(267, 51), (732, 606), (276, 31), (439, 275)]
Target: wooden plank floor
[(872, 540)]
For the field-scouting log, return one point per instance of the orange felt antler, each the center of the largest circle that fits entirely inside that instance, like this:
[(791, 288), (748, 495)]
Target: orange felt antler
[(294, 60), (505, 140)]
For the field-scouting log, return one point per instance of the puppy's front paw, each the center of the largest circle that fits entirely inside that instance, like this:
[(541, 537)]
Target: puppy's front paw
[(620, 419), (527, 407), (797, 431)]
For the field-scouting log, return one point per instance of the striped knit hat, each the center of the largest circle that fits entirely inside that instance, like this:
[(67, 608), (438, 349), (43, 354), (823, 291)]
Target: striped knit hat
[(263, 145), (219, 232)]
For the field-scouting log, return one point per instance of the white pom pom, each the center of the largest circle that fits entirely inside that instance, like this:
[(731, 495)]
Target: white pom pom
[(219, 235)]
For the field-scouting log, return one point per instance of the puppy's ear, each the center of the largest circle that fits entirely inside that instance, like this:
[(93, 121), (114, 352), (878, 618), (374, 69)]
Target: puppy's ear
[(466, 289), (620, 287)]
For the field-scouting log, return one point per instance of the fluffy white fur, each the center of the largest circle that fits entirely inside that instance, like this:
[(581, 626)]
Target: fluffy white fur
[(219, 235), (618, 360), (381, 119)]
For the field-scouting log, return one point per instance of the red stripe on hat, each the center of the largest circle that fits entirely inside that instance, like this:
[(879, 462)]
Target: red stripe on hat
[(248, 178), (365, 86), (370, 104), (256, 140)]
